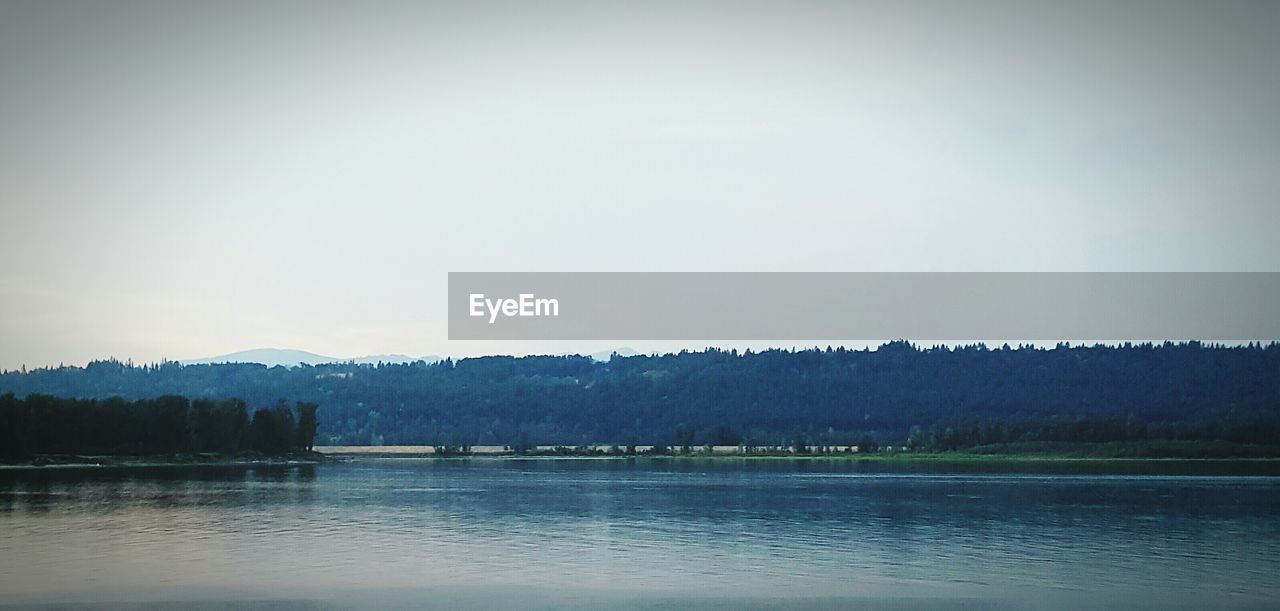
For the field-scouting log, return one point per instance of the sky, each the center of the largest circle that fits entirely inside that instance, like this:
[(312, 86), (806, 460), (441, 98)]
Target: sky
[(186, 179)]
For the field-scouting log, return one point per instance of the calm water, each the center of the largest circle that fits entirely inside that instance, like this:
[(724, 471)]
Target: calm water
[(653, 534)]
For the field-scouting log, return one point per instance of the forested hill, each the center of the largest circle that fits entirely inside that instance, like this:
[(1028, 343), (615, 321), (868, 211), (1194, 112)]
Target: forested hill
[(718, 396)]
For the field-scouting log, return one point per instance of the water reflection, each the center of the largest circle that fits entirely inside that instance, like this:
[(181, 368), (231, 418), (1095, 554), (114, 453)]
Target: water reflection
[(588, 532), (121, 489)]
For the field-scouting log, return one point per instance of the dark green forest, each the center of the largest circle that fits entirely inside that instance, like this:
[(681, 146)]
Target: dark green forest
[(828, 396), (1108, 436), (42, 424)]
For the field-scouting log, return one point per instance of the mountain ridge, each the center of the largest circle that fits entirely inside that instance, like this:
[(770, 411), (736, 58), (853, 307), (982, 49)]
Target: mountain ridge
[(291, 357)]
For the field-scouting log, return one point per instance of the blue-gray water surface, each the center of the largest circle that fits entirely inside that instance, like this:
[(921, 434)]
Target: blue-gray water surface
[(721, 533)]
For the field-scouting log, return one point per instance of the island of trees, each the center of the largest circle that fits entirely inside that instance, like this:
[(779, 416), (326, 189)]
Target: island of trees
[(43, 425), (938, 398)]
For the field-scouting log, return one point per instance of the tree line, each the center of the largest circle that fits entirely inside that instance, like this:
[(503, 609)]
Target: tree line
[(171, 424), (961, 435), (832, 396)]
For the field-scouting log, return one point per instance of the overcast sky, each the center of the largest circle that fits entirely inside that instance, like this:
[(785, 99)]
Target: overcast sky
[(183, 179)]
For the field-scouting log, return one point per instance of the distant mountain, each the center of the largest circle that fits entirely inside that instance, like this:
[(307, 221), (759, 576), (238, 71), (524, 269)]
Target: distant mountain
[(374, 359), (292, 358), (604, 355), (267, 356)]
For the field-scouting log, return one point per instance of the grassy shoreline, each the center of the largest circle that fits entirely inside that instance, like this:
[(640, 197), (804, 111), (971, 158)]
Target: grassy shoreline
[(1098, 452), (892, 463)]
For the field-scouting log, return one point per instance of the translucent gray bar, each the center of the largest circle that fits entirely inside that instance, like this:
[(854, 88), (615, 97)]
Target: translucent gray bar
[(866, 306)]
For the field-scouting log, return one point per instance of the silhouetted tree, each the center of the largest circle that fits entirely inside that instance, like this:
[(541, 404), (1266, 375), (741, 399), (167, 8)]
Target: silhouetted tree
[(273, 430), (170, 424), (307, 425), (799, 444)]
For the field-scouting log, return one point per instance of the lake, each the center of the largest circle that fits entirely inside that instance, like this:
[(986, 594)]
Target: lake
[(647, 533)]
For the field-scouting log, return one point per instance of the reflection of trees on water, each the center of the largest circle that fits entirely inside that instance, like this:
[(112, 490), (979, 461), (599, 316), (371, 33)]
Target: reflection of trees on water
[(107, 490)]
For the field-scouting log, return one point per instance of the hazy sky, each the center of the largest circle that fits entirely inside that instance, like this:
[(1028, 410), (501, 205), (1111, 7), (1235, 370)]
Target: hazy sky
[(182, 179)]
